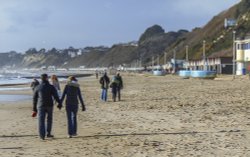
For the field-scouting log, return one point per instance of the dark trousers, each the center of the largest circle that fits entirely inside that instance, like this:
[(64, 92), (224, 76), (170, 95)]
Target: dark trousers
[(71, 111), (119, 93), (114, 93), (42, 113)]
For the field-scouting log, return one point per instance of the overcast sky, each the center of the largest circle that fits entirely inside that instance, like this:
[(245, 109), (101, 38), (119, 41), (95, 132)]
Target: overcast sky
[(46, 24)]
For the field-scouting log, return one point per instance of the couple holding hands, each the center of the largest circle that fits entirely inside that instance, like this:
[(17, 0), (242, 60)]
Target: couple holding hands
[(43, 102)]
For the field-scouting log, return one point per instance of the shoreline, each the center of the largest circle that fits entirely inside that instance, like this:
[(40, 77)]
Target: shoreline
[(62, 75)]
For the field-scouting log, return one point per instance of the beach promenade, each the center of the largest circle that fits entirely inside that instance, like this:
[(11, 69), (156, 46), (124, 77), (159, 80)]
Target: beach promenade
[(157, 117)]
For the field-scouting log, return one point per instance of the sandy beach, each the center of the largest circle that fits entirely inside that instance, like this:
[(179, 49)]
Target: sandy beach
[(158, 117)]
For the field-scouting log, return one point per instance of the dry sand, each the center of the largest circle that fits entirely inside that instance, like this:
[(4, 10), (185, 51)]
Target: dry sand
[(157, 117)]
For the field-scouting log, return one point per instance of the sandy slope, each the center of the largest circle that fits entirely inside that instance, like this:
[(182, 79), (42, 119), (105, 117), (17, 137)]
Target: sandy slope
[(157, 117)]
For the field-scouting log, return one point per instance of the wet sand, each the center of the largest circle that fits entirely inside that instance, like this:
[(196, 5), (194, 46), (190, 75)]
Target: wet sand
[(157, 117)]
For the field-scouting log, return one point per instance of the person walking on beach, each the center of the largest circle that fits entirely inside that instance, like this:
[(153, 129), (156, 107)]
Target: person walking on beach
[(72, 93), (104, 81), (114, 87), (56, 84), (96, 74), (43, 104), (34, 83), (119, 85)]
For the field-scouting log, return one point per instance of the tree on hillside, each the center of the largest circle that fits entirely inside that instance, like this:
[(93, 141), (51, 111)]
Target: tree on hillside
[(43, 50), (31, 51), (150, 32), (53, 50)]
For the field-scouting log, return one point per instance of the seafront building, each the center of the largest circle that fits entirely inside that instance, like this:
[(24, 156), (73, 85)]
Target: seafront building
[(242, 56), (220, 64), (223, 64)]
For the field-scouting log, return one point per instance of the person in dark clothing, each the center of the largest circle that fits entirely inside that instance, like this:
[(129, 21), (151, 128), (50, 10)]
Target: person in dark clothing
[(43, 104), (114, 86), (119, 85), (72, 93), (96, 74), (34, 83), (104, 81)]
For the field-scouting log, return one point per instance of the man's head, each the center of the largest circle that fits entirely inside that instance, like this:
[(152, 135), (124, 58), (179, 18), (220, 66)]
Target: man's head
[(44, 77)]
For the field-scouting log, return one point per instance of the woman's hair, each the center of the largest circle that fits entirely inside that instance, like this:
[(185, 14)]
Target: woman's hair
[(54, 78), (72, 78)]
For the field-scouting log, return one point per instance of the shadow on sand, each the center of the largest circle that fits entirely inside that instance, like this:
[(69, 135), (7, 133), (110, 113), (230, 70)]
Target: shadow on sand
[(130, 134)]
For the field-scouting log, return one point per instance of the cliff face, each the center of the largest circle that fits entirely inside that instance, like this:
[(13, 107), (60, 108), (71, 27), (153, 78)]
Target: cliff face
[(11, 59), (219, 40), (153, 41)]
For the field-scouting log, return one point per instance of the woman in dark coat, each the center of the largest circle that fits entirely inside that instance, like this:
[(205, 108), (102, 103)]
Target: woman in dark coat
[(72, 93)]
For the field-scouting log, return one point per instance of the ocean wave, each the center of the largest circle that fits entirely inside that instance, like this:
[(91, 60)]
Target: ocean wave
[(14, 88)]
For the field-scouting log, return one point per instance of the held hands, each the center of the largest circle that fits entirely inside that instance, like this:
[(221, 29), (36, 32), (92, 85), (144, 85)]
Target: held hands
[(59, 106)]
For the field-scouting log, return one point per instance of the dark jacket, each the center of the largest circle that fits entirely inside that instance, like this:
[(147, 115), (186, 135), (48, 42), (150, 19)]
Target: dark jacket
[(72, 92), (119, 82), (113, 86), (43, 96), (104, 81)]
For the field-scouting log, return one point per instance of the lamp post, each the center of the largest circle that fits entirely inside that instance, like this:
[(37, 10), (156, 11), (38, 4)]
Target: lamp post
[(165, 58), (234, 32), (204, 54), (153, 62), (158, 60), (186, 57), (174, 59)]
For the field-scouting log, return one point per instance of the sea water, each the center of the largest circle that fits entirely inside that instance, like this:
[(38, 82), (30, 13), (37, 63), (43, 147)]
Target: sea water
[(13, 78), (13, 98)]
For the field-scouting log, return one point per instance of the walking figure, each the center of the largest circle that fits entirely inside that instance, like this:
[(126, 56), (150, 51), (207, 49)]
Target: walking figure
[(56, 84), (72, 93), (104, 81), (96, 74), (43, 104), (34, 84), (114, 87), (119, 85)]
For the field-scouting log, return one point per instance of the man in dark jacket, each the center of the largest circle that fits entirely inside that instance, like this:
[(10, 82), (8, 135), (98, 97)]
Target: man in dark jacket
[(104, 81), (73, 93), (119, 85), (43, 104)]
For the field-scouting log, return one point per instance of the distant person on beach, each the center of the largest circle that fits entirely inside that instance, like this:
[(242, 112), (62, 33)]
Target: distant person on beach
[(43, 104), (119, 85), (114, 87), (96, 74), (72, 93), (104, 81), (56, 84), (34, 83)]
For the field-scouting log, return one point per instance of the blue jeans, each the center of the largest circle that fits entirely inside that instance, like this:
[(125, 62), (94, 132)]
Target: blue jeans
[(42, 113), (104, 95), (71, 111)]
